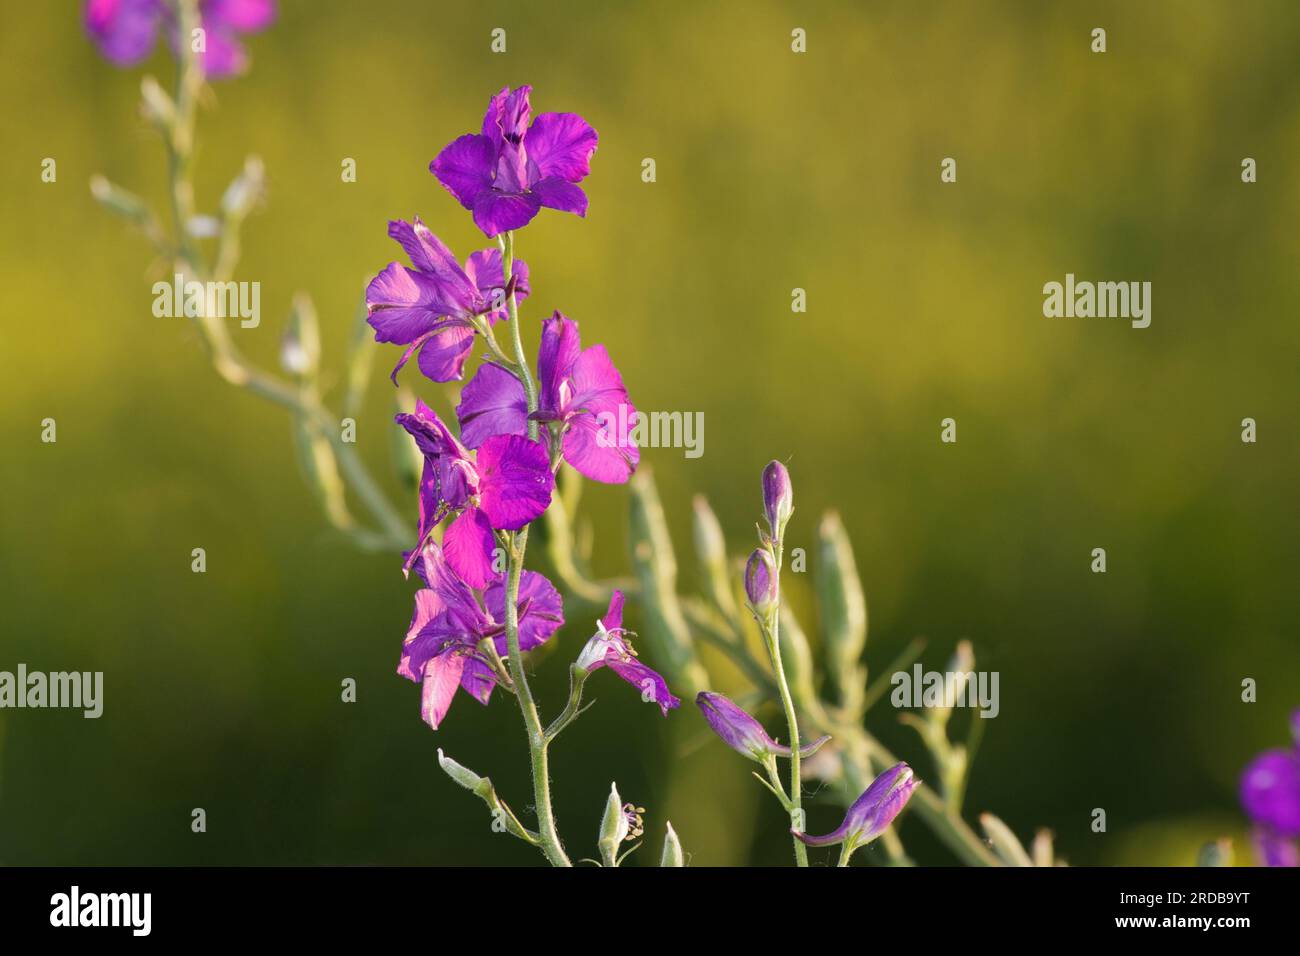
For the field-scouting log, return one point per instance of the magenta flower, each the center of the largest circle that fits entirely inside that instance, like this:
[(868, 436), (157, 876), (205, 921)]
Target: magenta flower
[(581, 391), (441, 649), (1270, 794), (610, 647), (505, 174), (430, 308), (872, 812), (742, 733), (504, 487), (127, 30)]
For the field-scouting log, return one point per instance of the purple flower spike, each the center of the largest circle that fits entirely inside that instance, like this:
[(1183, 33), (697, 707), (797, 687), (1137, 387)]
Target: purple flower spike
[(430, 309), (441, 648), (504, 488), (742, 733), (760, 581), (580, 391), (872, 812), (507, 173), (126, 30), (610, 647)]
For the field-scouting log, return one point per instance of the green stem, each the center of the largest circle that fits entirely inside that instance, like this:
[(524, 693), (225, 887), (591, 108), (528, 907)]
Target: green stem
[(787, 702), (537, 740), (224, 356)]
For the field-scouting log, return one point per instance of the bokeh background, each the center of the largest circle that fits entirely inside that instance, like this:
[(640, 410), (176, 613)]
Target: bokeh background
[(775, 171)]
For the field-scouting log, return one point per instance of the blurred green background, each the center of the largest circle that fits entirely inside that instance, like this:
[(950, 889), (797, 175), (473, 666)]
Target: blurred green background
[(775, 171)]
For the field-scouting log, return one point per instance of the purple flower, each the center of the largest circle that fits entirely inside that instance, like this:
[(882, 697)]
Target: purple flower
[(126, 30), (742, 733), (610, 647), (760, 581), (778, 496), (581, 392), (431, 308), (1270, 794), (506, 486), (441, 648), (505, 174), (872, 812)]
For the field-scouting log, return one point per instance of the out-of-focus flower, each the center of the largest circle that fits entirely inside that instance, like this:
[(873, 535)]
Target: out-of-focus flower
[(580, 390), (610, 647), (127, 30), (1270, 794), (441, 650), (508, 172), (430, 309), (872, 812), (742, 733), (505, 486)]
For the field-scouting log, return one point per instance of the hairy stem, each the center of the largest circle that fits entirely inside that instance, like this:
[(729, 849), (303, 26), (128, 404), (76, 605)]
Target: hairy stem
[(537, 739)]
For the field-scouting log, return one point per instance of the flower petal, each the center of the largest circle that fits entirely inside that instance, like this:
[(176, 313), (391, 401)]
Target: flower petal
[(541, 610), (464, 167), (403, 305), (496, 212), (124, 30), (515, 480), (507, 115), (493, 403), (247, 16), (441, 678), (560, 145), (442, 358), (468, 546), (557, 194), (654, 689), (484, 270), (561, 345), (592, 448)]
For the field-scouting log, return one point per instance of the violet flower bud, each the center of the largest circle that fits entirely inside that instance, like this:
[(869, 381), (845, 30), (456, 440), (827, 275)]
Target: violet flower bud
[(742, 733), (871, 814), (778, 497), (760, 581)]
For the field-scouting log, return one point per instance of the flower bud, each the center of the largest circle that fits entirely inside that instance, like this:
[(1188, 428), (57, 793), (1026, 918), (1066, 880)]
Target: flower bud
[(778, 497), (462, 775), (872, 813), (760, 581), (742, 733), (614, 828), (672, 855)]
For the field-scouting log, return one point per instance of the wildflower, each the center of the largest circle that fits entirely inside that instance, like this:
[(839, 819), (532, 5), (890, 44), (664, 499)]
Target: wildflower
[(742, 733), (871, 813), (581, 394), (432, 308), (505, 174), (441, 651), (504, 487), (1270, 794), (126, 30), (610, 647)]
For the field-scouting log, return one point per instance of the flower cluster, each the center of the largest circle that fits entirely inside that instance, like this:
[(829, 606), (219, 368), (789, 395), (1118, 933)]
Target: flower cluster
[(497, 475), (126, 31), (1270, 793)]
